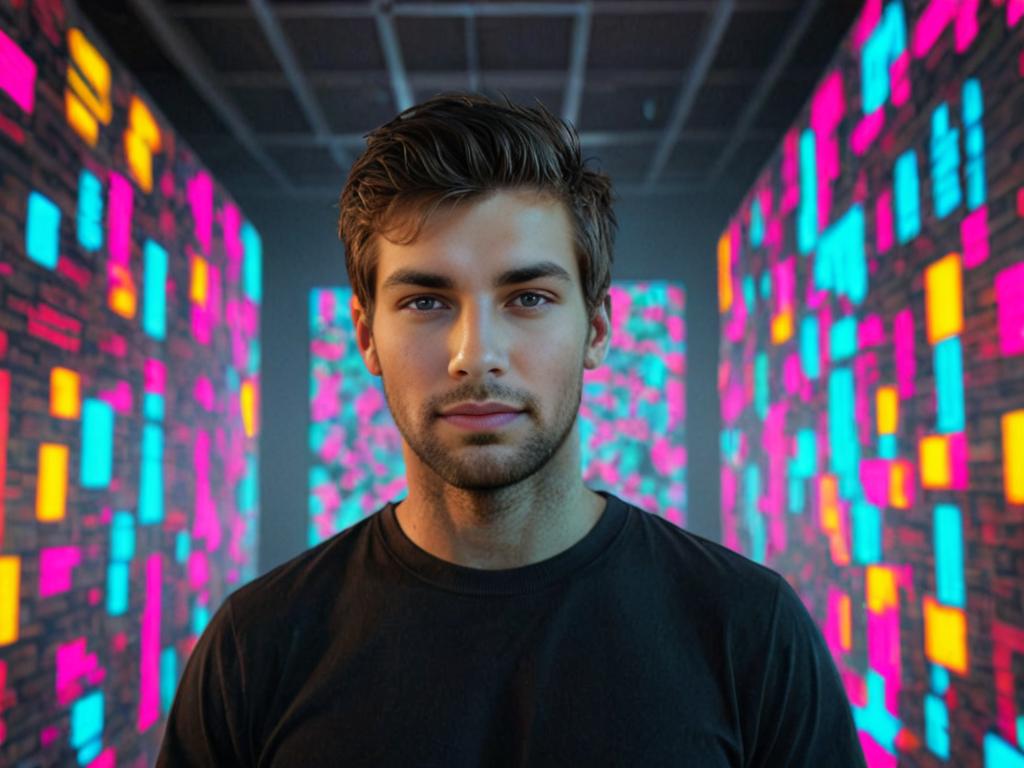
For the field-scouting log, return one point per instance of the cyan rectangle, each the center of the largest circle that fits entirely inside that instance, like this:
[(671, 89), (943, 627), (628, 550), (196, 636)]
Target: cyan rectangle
[(866, 521), (154, 304), (151, 475), (42, 230), (97, 466), (907, 197), (807, 213), (86, 718), (949, 385), (122, 536), (118, 585), (843, 339), (949, 556), (252, 267), (810, 347), (90, 212)]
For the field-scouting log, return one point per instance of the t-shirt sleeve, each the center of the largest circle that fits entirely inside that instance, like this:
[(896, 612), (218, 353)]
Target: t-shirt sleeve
[(805, 717), (204, 726)]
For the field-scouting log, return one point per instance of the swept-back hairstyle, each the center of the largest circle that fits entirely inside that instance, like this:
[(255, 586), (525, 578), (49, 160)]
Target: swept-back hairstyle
[(456, 147)]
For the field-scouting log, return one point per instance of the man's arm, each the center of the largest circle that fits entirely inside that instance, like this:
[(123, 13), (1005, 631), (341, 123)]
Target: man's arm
[(804, 718), (204, 726)]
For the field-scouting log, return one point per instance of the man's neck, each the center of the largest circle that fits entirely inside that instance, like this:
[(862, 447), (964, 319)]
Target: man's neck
[(512, 527)]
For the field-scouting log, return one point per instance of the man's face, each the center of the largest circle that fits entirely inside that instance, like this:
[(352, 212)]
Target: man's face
[(485, 305)]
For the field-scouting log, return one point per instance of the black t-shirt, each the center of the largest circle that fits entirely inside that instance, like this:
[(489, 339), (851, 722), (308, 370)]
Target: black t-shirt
[(640, 645)]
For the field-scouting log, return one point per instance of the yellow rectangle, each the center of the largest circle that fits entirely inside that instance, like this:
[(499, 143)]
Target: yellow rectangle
[(887, 405), (945, 635), (248, 406), (724, 273), (1013, 456), (845, 623), (80, 119), (52, 482), (936, 468), (10, 581), (65, 401), (782, 327), (89, 76), (899, 476), (199, 283), (944, 302), (881, 588)]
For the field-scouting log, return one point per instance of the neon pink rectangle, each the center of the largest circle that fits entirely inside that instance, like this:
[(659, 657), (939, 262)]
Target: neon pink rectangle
[(55, 567), (149, 642), (874, 477), (974, 233), (883, 220), (119, 220), (1010, 309), (17, 74)]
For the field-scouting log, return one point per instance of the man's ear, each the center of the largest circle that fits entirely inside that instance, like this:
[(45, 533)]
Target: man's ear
[(364, 336), (599, 334)]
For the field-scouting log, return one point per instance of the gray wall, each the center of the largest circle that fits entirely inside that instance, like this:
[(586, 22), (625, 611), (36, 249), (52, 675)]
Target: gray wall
[(660, 237)]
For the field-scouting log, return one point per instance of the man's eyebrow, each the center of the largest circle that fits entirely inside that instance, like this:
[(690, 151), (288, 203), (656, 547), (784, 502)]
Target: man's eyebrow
[(515, 276)]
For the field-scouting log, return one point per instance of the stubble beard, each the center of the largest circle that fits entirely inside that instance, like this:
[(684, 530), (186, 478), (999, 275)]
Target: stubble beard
[(481, 471)]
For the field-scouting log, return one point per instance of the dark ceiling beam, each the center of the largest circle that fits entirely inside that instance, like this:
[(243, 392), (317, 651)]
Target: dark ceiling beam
[(589, 139), (503, 78), (711, 38), (784, 53), (296, 79), (313, 9), (182, 50), (388, 37), (577, 63)]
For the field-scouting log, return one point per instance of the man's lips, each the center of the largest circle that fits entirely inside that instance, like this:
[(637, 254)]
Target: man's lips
[(491, 420)]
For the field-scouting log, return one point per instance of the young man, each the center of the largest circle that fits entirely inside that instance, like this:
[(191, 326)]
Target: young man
[(502, 613)]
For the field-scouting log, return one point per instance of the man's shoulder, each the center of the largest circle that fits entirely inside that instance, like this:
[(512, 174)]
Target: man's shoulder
[(294, 584), (701, 554)]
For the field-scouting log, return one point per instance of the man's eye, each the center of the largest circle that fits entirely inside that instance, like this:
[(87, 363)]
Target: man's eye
[(528, 300), (421, 303), (532, 300)]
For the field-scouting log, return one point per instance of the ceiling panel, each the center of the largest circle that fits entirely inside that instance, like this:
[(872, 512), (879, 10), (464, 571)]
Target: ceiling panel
[(326, 43), (524, 43), (626, 109), (432, 45), (232, 45), (666, 41)]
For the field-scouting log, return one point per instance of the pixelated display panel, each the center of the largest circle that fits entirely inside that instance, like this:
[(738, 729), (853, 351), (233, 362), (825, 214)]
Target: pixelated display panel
[(871, 288), (129, 395), (631, 416)]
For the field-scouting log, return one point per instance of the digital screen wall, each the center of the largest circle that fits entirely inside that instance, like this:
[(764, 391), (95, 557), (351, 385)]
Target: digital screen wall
[(129, 390), (631, 416), (871, 288)]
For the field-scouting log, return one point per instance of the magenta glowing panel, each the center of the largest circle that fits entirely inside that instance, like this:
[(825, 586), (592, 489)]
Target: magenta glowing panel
[(871, 288), (129, 394)]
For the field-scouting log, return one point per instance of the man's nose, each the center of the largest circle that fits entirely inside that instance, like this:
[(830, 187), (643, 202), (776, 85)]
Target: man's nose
[(478, 347)]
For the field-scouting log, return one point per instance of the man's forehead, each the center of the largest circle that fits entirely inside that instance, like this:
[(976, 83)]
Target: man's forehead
[(500, 240), (446, 279)]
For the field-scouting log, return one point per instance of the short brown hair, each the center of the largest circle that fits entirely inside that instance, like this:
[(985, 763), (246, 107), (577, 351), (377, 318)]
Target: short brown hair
[(459, 146)]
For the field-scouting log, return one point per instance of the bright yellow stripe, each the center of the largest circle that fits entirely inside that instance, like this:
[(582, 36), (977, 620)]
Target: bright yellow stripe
[(944, 298), (936, 470), (724, 273), (881, 588), (888, 407), (198, 286), (10, 578), (1013, 456), (945, 635), (52, 483), (248, 404), (65, 402)]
